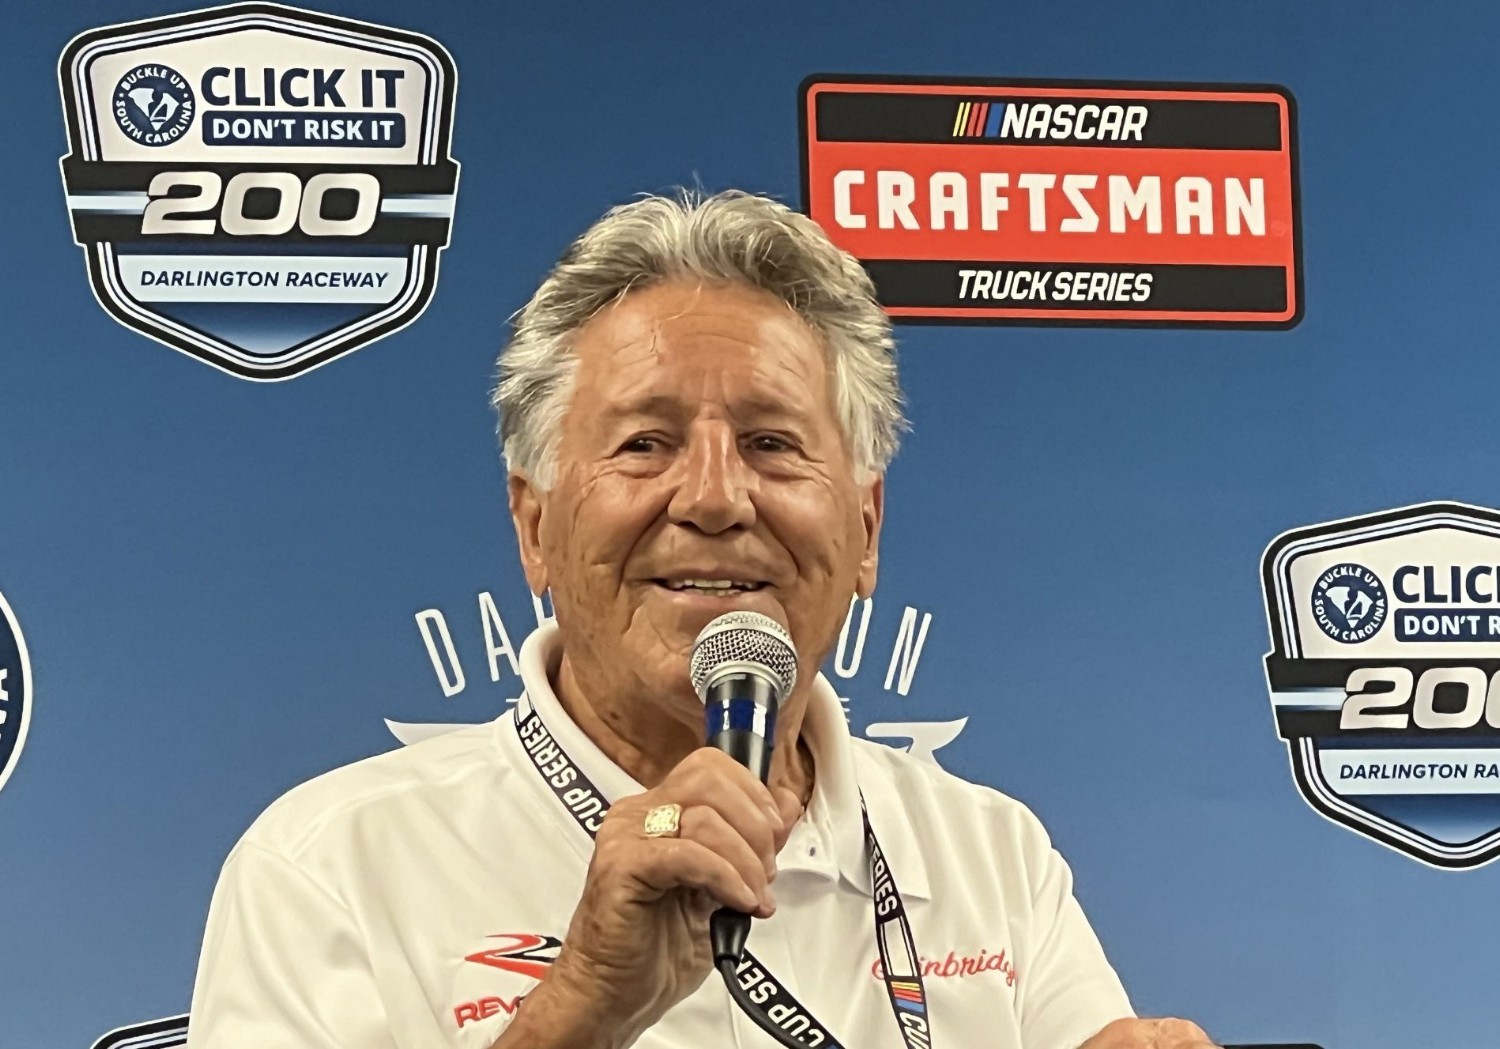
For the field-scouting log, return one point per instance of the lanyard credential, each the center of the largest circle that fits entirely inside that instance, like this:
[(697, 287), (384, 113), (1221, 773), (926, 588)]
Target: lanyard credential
[(900, 966)]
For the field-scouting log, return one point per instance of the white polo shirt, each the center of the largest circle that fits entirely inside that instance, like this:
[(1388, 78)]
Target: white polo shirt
[(410, 900)]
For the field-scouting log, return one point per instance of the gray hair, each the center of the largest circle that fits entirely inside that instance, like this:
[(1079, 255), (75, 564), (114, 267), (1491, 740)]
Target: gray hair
[(729, 237)]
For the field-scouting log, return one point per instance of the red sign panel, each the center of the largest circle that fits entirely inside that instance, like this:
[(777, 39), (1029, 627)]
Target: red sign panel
[(1046, 202)]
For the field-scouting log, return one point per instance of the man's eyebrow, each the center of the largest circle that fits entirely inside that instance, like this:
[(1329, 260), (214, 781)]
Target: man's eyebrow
[(656, 405), (761, 407), (666, 406)]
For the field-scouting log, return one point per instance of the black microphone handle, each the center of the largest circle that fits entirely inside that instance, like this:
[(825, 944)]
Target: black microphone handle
[(728, 929), (725, 704), (748, 748)]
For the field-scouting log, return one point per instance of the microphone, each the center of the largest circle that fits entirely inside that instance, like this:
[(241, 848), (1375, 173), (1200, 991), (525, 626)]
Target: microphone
[(743, 665)]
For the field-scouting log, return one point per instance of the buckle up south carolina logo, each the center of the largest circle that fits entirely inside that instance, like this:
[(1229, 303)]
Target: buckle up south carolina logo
[(261, 187), (15, 691), (1385, 675)]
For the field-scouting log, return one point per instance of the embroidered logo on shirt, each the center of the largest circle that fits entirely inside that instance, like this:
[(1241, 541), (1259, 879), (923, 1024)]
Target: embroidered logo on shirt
[(527, 953), (963, 965), (484, 1008)]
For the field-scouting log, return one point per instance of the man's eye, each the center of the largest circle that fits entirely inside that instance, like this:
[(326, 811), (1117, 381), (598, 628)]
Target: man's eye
[(641, 444), (770, 442)]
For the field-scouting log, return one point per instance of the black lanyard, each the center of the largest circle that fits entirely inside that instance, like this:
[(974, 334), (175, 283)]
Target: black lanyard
[(900, 964)]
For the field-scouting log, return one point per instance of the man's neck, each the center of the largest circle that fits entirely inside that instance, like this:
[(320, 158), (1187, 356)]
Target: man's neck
[(647, 751)]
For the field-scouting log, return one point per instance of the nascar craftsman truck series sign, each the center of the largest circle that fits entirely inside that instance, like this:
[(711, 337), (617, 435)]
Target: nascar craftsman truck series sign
[(1049, 202)]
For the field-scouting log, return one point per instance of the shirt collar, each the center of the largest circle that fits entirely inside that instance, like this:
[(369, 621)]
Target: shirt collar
[(835, 804), (833, 812), (541, 656)]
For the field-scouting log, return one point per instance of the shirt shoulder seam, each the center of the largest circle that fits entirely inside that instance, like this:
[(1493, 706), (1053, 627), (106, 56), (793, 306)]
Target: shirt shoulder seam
[(299, 870), (295, 843)]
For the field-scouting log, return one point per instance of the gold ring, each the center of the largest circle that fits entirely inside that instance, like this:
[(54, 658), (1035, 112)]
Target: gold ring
[(664, 821)]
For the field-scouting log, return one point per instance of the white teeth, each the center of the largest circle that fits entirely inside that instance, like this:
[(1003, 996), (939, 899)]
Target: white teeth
[(713, 586)]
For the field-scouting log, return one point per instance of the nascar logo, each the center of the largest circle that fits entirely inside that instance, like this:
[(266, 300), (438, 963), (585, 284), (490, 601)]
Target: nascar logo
[(1084, 122)]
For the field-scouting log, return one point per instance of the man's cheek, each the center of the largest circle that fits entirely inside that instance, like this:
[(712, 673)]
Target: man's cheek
[(595, 557)]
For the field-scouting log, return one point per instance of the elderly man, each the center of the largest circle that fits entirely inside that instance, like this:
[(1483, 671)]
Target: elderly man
[(697, 406)]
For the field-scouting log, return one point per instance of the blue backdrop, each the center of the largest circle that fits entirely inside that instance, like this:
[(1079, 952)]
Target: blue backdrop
[(218, 579)]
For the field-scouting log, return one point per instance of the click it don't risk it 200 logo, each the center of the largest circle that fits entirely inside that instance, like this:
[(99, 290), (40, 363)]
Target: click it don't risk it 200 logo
[(1385, 675), (261, 187)]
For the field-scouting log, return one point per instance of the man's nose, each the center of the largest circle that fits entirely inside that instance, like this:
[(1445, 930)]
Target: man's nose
[(715, 487)]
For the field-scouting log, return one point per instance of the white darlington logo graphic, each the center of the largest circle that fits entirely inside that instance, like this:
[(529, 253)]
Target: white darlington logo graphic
[(852, 659)]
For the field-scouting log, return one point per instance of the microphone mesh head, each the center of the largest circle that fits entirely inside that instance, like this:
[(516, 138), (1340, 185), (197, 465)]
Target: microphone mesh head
[(744, 637)]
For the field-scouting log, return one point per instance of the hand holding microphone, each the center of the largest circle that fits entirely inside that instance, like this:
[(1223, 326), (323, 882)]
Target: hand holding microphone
[(703, 840)]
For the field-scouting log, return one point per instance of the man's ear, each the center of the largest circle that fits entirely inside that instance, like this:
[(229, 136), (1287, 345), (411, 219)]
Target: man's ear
[(526, 513), (872, 512)]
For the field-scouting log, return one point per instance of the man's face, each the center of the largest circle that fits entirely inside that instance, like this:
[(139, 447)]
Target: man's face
[(701, 445)]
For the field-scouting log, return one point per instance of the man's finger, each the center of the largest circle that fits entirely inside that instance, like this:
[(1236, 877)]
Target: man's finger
[(1158, 1033), (707, 769), (790, 807), (1175, 1033), (754, 816), (672, 863), (705, 826)]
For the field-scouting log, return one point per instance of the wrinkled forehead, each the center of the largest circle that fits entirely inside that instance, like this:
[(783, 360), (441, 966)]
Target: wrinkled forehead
[(738, 347)]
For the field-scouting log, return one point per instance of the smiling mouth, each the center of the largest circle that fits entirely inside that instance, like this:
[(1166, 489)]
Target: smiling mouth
[(713, 587)]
